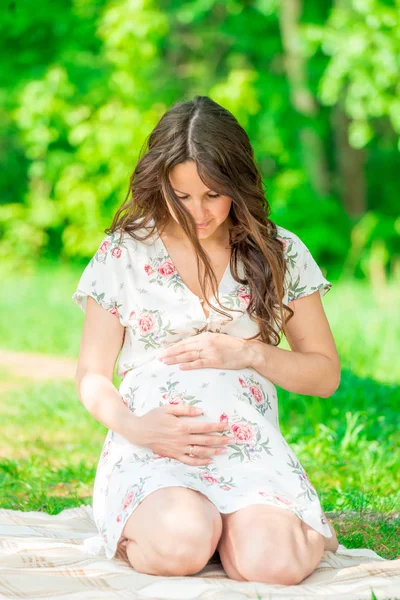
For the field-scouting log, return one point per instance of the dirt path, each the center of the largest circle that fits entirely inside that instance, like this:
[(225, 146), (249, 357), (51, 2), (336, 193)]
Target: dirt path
[(19, 367)]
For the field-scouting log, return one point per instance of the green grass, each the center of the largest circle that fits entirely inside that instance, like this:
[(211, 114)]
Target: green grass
[(348, 443), (48, 320), (50, 448)]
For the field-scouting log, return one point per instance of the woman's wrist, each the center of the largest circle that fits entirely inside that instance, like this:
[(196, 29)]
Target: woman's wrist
[(131, 429), (105, 403), (254, 353)]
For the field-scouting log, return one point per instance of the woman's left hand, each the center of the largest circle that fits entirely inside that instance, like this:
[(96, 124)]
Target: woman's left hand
[(217, 350)]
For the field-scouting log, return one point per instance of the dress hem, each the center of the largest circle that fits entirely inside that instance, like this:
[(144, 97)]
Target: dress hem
[(312, 521)]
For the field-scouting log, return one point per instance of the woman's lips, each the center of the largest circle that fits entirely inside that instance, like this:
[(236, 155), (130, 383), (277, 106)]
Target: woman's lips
[(201, 225)]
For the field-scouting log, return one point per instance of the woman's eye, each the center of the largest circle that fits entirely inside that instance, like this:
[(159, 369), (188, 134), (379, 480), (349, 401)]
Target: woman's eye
[(209, 195)]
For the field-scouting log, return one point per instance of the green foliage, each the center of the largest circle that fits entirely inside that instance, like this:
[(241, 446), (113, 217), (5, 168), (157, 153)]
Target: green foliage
[(85, 82), (362, 37)]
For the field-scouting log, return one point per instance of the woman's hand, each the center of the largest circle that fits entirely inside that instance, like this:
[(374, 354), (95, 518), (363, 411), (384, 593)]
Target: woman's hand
[(167, 435), (217, 350)]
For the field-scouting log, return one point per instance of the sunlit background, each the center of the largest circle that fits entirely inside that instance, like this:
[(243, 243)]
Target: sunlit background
[(316, 86)]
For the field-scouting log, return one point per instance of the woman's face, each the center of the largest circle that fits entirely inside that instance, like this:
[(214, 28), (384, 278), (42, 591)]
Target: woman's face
[(204, 204)]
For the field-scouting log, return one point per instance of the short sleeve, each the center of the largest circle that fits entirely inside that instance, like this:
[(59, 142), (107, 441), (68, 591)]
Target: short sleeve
[(104, 278), (303, 275)]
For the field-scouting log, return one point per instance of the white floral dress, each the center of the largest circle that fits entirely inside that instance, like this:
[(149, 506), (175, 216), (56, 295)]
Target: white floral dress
[(138, 282)]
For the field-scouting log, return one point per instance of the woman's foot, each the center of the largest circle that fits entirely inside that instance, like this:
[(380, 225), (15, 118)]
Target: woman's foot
[(331, 543), (121, 549)]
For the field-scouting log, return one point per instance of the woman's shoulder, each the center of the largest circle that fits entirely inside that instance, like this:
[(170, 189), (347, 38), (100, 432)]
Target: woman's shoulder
[(286, 234), (131, 239), (303, 275), (292, 243)]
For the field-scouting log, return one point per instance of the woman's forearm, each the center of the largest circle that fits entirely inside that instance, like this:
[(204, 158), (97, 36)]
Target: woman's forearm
[(104, 402), (308, 373)]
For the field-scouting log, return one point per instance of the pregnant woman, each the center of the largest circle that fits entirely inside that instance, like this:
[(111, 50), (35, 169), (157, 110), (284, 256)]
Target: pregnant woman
[(194, 284)]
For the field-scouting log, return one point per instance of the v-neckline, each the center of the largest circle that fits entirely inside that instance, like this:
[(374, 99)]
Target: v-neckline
[(186, 287)]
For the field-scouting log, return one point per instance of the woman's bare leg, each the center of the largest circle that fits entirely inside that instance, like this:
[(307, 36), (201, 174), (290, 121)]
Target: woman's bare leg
[(173, 531), (332, 543), (268, 544)]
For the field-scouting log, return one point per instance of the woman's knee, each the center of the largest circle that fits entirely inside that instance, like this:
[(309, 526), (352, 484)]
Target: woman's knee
[(182, 535), (282, 569), (173, 563), (285, 562), (188, 539), (178, 550), (265, 544)]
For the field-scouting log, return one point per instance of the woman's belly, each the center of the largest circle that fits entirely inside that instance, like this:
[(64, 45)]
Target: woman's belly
[(220, 393), (242, 398)]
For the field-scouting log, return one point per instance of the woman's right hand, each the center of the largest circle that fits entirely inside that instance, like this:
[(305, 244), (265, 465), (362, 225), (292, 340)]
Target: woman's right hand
[(166, 434)]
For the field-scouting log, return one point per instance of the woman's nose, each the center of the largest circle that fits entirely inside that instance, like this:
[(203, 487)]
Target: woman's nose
[(200, 217)]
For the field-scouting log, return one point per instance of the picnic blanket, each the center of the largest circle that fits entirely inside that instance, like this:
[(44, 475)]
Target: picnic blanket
[(44, 556)]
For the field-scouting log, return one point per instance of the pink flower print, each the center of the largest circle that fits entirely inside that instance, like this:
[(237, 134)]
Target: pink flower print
[(323, 520), (266, 494), (119, 518), (164, 396), (242, 383), (132, 315), (103, 247), (283, 499), (242, 432), (105, 538), (226, 487), (284, 242), (242, 293), (256, 392), (128, 500), (149, 269), (223, 418), (210, 479), (146, 323), (166, 268), (106, 450), (114, 311), (117, 252), (177, 400), (245, 298), (304, 477)]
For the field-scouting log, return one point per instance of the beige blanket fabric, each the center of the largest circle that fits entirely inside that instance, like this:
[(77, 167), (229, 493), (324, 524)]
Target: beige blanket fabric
[(43, 556)]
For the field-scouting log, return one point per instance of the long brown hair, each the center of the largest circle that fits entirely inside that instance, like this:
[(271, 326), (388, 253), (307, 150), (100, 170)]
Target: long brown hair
[(202, 131)]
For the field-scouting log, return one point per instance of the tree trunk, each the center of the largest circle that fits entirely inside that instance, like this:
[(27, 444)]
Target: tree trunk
[(350, 180), (301, 98)]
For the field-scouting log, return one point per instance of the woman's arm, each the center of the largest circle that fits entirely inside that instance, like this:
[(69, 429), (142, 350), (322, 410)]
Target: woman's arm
[(313, 365), (100, 345)]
